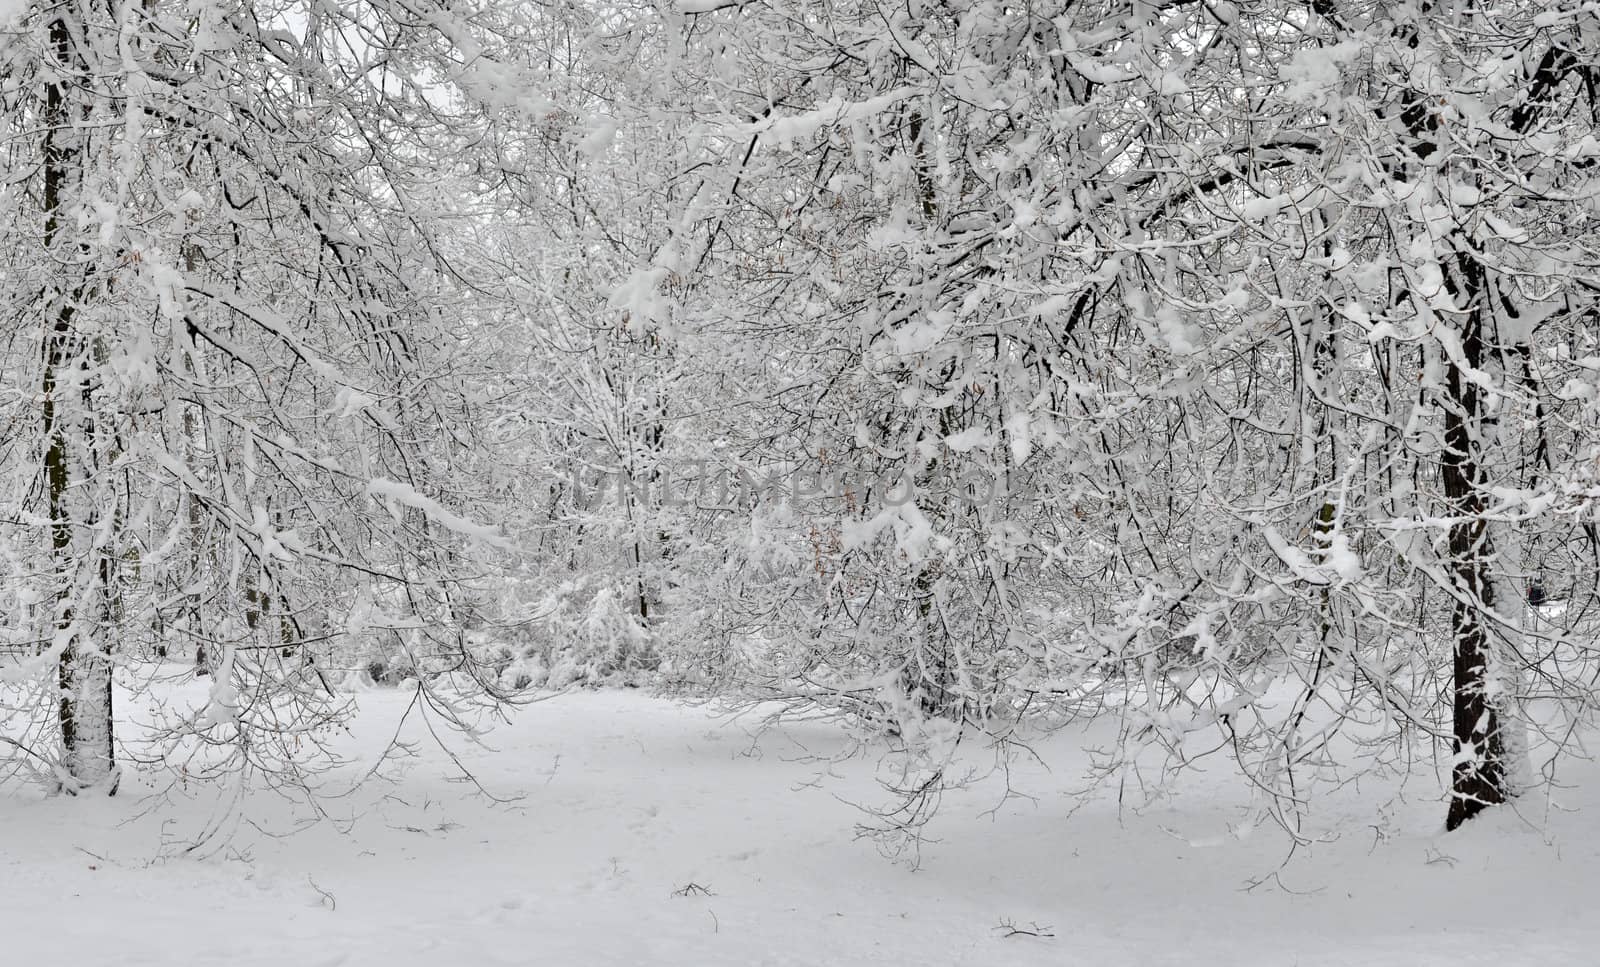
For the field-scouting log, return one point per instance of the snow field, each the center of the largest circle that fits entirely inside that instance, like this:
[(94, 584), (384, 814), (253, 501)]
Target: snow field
[(644, 832)]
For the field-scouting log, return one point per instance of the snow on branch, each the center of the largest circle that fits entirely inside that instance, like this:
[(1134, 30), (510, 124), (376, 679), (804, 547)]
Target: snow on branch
[(407, 495)]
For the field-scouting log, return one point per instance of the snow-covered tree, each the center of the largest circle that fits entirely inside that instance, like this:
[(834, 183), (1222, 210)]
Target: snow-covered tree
[(234, 335), (1217, 335)]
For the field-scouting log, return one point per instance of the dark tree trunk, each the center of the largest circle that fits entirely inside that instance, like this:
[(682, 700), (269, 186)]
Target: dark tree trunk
[(1479, 775), (84, 710)]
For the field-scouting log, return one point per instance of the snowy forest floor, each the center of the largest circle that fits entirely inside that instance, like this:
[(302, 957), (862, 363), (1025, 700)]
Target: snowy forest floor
[(645, 832)]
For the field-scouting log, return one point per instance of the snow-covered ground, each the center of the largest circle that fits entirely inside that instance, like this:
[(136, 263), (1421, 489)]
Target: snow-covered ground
[(651, 833)]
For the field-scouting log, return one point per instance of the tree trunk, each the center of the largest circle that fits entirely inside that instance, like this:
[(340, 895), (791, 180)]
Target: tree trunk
[(1479, 774), (81, 569)]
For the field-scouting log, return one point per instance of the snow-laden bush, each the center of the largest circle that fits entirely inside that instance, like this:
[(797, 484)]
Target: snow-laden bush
[(586, 634)]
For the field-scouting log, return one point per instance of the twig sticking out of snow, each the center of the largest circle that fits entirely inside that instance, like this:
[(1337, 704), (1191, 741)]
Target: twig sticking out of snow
[(1031, 930), (332, 903), (693, 889)]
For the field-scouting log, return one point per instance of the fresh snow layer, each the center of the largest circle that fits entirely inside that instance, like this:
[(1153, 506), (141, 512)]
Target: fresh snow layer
[(645, 832)]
